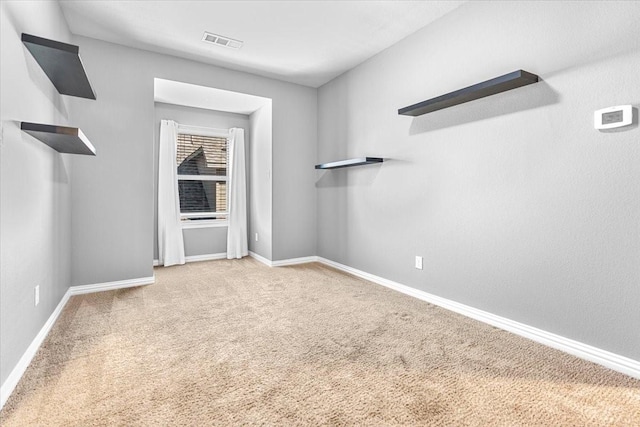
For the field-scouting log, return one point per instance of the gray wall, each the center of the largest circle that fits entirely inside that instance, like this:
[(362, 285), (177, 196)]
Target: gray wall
[(518, 206), (259, 187), (34, 184), (197, 241), (112, 197), (293, 179)]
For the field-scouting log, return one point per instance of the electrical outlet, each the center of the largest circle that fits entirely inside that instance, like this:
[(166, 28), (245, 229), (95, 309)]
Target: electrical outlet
[(256, 237), (36, 295), (419, 262)]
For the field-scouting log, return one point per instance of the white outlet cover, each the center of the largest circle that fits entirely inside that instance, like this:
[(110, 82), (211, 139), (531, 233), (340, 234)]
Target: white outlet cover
[(419, 262), (37, 295)]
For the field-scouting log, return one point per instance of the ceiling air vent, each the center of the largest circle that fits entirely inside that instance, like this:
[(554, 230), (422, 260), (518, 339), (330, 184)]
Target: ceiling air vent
[(221, 40)]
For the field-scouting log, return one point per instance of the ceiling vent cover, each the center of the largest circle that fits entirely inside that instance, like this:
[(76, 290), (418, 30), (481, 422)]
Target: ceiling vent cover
[(221, 40)]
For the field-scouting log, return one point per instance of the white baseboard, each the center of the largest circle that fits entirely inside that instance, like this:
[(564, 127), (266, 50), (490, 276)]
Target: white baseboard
[(14, 377), (283, 262), (294, 261), (584, 351), (207, 257), (260, 258), (197, 258), (109, 286)]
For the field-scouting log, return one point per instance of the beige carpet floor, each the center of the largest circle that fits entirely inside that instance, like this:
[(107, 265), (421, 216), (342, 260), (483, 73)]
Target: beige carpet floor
[(237, 343)]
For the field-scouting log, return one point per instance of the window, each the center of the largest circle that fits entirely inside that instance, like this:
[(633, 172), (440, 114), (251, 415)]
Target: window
[(202, 159)]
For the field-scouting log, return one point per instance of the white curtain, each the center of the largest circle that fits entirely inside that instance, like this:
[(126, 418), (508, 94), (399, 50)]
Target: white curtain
[(170, 241), (237, 244)]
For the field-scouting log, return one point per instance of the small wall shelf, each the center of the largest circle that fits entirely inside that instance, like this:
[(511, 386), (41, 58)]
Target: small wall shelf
[(487, 88), (61, 138), (62, 64), (350, 162)]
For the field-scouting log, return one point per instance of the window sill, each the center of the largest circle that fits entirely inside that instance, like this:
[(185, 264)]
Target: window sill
[(204, 224)]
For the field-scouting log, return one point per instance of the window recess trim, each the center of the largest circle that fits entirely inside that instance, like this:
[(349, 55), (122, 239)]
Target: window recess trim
[(203, 215), (205, 224), (203, 131), (201, 178)]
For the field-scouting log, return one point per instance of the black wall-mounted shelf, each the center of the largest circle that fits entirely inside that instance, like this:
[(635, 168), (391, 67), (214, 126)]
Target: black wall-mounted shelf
[(490, 87), (62, 64), (61, 138), (350, 162)]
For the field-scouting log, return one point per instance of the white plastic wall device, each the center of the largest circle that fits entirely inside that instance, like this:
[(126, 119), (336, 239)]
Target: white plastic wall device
[(613, 117)]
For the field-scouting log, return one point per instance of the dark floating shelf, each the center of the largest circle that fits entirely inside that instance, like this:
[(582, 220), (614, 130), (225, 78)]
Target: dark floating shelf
[(350, 162), (62, 64), (61, 138), (490, 87)]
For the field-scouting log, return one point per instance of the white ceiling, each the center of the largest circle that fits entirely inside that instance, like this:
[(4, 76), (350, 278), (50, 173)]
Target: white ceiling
[(190, 95), (305, 42)]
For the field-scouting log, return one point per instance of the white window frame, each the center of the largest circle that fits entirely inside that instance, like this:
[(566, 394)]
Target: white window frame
[(215, 133)]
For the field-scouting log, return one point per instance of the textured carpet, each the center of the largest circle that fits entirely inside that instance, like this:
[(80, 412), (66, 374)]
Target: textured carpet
[(238, 343)]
